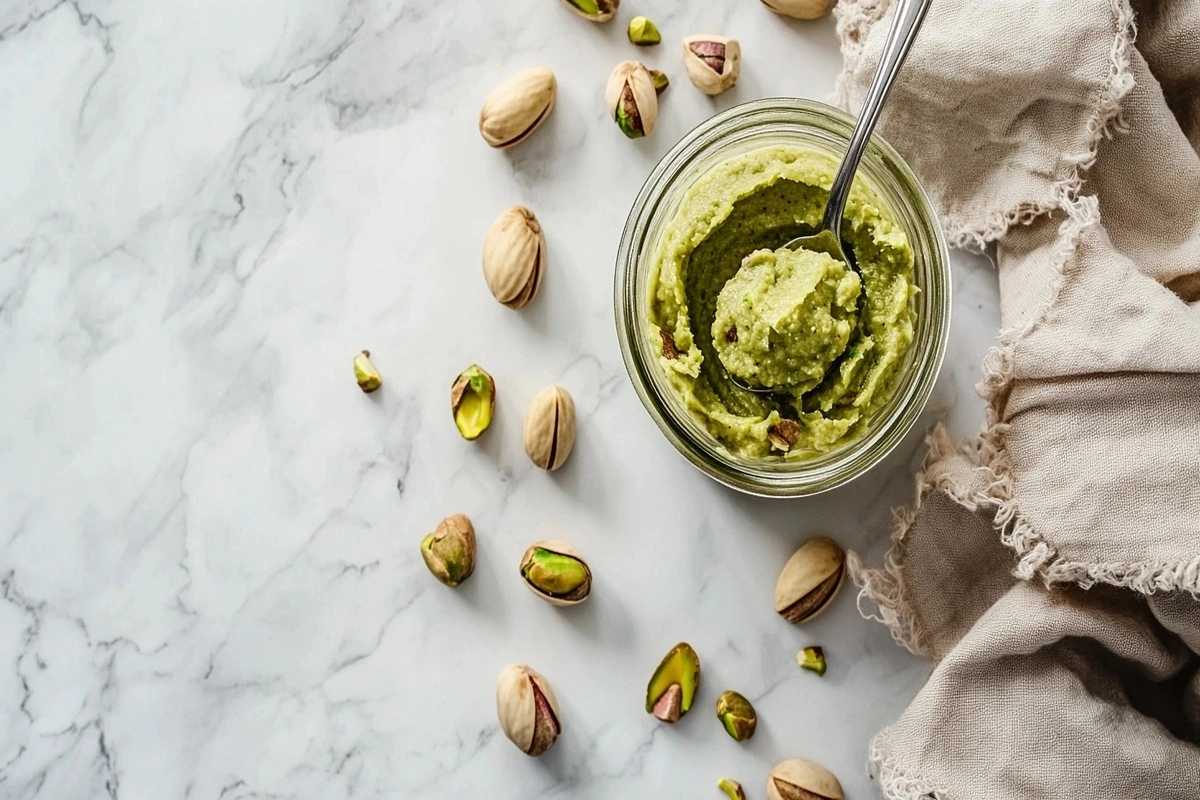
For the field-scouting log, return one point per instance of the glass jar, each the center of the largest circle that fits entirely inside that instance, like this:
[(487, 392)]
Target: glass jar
[(747, 127)]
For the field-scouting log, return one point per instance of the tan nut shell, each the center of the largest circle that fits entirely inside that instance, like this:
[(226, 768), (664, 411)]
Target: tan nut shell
[(557, 546), (517, 708), (550, 427), (516, 108), (814, 781), (514, 257), (641, 84), (800, 9), (816, 562), (702, 75)]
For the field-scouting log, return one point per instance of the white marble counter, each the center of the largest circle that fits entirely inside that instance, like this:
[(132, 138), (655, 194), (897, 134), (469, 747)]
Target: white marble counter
[(208, 536)]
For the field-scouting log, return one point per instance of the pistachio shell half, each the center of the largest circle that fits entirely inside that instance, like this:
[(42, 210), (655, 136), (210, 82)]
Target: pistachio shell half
[(800, 779), (673, 686), (632, 99), (550, 427), (800, 9), (556, 572), (713, 62), (473, 401), (449, 551), (737, 715), (528, 709), (810, 580), (517, 107), (594, 10), (514, 257)]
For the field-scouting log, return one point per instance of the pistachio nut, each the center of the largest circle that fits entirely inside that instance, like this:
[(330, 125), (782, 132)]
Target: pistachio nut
[(528, 709), (517, 107), (731, 788), (812, 658), (810, 580), (594, 10), (514, 257), (556, 572), (643, 32), (800, 9), (449, 551), (550, 427), (473, 401), (660, 80), (632, 99), (800, 779), (713, 62), (670, 350), (737, 715), (783, 434), (673, 686), (365, 373)]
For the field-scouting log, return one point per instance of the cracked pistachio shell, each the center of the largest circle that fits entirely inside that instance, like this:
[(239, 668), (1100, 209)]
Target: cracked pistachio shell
[(517, 107), (365, 373), (594, 10), (632, 99), (800, 9), (731, 788), (449, 551), (473, 401), (528, 709), (737, 715), (799, 779), (810, 580), (713, 62), (556, 572), (673, 686), (643, 32), (514, 257), (550, 427)]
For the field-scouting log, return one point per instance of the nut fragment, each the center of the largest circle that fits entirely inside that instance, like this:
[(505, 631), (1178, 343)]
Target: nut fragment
[(550, 427), (473, 401), (782, 434), (449, 551), (800, 9), (594, 10), (713, 62), (365, 373), (514, 257), (556, 572), (632, 99), (528, 709), (660, 80), (673, 686), (517, 107), (732, 788), (737, 715), (810, 580), (812, 658), (800, 779), (643, 32), (670, 350)]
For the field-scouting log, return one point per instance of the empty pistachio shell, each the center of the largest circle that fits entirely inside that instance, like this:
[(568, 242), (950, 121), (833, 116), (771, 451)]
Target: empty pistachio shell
[(517, 107), (514, 257), (632, 99), (799, 779), (810, 580), (473, 401), (642, 31), (449, 551), (713, 62), (737, 715), (365, 373), (812, 658), (731, 788), (528, 709), (556, 572), (800, 9), (673, 686), (550, 427), (594, 10)]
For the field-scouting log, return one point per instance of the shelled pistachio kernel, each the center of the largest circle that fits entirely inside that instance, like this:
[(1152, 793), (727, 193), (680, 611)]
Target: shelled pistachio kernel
[(594, 10), (365, 373), (673, 686), (737, 715), (731, 788), (813, 659), (643, 32), (473, 401)]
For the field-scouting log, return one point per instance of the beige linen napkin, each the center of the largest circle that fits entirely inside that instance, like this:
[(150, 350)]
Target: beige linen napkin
[(1050, 569)]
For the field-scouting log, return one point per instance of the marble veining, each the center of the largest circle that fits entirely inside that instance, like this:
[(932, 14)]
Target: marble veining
[(209, 576)]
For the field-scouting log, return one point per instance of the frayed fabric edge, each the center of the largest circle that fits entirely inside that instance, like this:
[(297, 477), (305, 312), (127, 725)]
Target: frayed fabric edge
[(895, 781)]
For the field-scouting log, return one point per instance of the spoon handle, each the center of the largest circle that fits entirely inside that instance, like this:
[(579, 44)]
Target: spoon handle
[(906, 22)]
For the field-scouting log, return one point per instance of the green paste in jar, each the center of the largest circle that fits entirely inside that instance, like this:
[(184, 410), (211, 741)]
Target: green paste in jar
[(827, 341)]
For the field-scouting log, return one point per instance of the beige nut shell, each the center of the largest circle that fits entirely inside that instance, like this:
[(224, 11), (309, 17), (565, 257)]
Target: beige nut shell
[(702, 75), (550, 427), (800, 9), (516, 707), (517, 107), (820, 783), (641, 85), (815, 562), (557, 546), (514, 257)]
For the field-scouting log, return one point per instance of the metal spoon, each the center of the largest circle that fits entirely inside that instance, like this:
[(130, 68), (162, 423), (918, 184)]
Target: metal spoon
[(905, 23)]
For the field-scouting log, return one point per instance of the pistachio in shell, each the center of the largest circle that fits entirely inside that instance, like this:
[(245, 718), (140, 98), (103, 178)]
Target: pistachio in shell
[(556, 572), (528, 709), (594, 10), (514, 257), (632, 99), (713, 62), (731, 788), (550, 427), (800, 779), (800, 9), (517, 107), (473, 401), (673, 686), (737, 716), (449, 551), (365, 373), (810, 580)]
